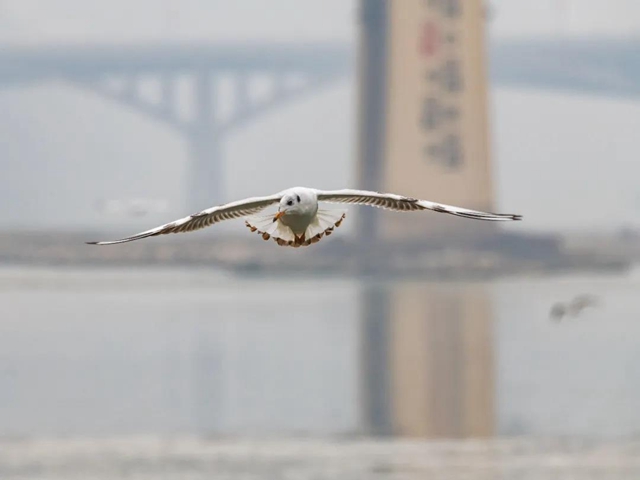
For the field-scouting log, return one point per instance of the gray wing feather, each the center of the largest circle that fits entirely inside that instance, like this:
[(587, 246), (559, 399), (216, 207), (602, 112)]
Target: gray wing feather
[(400, 203), (204, 218)]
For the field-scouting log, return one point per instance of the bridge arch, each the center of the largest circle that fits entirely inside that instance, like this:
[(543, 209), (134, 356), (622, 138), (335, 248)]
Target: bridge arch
[(119, 74)]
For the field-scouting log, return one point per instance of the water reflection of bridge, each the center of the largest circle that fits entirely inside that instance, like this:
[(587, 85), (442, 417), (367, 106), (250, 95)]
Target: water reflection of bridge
[(403, 359), (112, 352), (422, 367)]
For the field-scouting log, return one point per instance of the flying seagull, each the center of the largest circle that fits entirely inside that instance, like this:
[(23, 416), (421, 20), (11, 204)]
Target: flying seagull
[(579, 303), (299, 220), (573, 308)]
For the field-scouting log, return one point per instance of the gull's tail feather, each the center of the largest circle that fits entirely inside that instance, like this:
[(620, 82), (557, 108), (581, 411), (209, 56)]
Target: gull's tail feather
[(263, 225), (324, 223)]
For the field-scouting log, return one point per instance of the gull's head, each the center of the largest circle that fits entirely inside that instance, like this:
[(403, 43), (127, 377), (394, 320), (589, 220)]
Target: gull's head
[(295, 202)]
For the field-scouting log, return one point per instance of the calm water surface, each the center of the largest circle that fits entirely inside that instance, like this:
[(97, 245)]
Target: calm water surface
[(156, 366)]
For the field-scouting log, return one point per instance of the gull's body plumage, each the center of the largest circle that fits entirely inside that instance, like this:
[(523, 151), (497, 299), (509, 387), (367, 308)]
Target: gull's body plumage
[(299, 220), (303, 211)]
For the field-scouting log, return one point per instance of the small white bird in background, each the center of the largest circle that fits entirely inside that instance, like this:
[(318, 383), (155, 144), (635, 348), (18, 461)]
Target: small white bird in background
[(299, 221)]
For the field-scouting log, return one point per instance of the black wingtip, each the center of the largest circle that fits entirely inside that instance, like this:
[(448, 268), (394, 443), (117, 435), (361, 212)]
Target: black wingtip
[(516, 217), (91, 243)]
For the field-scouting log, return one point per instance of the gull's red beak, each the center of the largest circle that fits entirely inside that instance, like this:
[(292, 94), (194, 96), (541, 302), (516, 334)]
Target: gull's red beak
[(278, 216)]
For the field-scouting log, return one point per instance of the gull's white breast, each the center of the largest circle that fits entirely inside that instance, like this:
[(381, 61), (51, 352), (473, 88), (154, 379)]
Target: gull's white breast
[(299, 220)]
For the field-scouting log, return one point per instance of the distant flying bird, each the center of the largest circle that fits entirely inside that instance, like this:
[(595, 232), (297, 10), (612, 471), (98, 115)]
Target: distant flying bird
[(579, 303), (573, 308), (299, 221), (558, 311)]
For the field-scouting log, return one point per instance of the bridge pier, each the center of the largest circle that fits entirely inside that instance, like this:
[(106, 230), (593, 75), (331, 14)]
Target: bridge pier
[(123, 76), (206, 182), (206, 179), (372, 79)]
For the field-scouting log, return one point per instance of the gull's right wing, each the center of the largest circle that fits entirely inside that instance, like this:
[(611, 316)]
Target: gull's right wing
[(204, 218)]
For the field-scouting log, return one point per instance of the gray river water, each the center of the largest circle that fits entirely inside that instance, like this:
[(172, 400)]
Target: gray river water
[(163, 373)]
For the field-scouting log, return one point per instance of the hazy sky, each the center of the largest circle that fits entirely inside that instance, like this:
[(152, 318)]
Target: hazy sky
[(136, 20), (551, 151)]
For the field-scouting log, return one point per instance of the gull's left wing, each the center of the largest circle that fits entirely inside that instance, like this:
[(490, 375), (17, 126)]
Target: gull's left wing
[(399, 203)]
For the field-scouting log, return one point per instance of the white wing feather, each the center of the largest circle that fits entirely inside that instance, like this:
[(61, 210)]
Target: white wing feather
[(204, 218), (391, 201)]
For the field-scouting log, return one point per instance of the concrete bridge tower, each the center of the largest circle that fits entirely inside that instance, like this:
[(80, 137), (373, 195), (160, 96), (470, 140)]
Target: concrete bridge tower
[(423, 113)]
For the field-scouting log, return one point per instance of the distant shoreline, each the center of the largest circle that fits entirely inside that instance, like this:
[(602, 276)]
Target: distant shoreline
[(494, 257)]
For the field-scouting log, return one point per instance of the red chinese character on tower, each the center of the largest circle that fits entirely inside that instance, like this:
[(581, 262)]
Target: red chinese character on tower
[(429, 39)]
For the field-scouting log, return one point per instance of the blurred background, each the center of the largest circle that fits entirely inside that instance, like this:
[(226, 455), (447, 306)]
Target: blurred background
[(403, 346)]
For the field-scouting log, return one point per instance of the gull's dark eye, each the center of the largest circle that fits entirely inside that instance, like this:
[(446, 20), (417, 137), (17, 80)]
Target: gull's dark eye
[(298, 197), (290, 202)]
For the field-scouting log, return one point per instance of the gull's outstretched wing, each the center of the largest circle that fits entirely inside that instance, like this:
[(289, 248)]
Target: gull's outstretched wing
[(391, 201), (204, 218)]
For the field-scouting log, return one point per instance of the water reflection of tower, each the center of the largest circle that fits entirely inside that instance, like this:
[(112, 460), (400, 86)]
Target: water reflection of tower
[(427, 360), (191, 367), (207, 379)]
